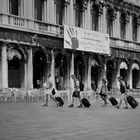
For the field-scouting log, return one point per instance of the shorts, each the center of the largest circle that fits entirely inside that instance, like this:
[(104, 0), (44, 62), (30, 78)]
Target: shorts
[(76, 94), (123, 96)]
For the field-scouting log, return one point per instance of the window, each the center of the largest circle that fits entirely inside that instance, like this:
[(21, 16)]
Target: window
[(110, 22), (134, 28), (14, 7), (123, 26), (39, 9), (78, 13), (59, 12), (95, 15)]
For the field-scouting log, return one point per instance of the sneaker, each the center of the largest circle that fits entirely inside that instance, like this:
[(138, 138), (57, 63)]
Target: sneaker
[(126, 107), (71, 105), (80, 106), (117, 107), (45, 105)]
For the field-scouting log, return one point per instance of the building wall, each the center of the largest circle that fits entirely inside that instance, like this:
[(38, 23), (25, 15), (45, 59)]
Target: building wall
[(48, 36)]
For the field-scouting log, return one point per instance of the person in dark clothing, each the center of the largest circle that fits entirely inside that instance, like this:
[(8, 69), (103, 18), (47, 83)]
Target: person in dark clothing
[(123, 91)]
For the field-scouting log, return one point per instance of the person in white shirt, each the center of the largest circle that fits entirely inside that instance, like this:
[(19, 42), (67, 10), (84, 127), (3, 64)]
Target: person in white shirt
[(47, 89)]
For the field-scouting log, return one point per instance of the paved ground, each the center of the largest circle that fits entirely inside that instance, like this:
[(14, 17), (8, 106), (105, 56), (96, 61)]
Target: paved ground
[(31, 121)]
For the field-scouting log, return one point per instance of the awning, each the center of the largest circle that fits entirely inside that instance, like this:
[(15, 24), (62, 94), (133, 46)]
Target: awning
[(123, 65), (135, 66)]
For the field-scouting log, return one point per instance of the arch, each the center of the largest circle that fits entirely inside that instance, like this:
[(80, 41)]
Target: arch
[(135, 75), (79, 68), (61, 71), (94, 72), (110, 71), (123, 65), (94, 63), (123, 70), (40, 68), (16, 57), (135, 66), (17, 52)]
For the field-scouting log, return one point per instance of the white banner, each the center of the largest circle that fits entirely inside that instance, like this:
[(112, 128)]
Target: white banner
[(86, 40)]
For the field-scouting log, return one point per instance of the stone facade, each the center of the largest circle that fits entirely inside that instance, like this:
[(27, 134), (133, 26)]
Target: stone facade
[(31, 49)]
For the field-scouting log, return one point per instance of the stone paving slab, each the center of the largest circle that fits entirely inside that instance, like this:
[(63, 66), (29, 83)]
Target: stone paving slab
[(31, 121)]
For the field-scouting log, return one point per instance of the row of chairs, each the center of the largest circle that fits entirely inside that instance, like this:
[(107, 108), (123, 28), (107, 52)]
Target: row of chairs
[(14, 95)]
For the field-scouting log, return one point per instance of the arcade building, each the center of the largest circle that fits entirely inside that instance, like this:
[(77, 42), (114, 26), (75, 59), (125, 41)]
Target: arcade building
[(32, 43)]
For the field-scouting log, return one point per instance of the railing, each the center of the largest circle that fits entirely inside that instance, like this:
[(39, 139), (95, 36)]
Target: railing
[(20, 23), (11, 21), (126, 44), (15, 95)]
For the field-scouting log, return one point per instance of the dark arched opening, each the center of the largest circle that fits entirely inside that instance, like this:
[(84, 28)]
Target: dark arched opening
[(39, 61)]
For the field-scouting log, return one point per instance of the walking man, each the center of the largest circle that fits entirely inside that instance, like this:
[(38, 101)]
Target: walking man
[(123, 91), (76, 92), (104, 91)]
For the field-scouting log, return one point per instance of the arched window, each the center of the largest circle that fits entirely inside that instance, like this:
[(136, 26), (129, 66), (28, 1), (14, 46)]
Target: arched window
[(110, 22), (39, 9), (59, 12), (78, 13), (134, 28), (123, 26), (95, 15)]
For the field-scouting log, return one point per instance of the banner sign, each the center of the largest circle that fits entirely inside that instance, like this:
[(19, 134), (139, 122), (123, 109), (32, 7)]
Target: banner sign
[(86, 40)]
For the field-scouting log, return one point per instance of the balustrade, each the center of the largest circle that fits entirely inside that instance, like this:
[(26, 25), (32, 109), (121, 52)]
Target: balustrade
[(11, 21)]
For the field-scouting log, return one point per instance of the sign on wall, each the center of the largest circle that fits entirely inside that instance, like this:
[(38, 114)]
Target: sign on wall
[(86, 40)]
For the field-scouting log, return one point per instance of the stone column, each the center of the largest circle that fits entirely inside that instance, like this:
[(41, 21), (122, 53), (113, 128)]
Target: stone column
[(48, 11), (30, 69), (51, 9), (118, 74), (71, 70), (71, 13), (71, 81), (114, 24), (118, 25), (88, 20), (100, 23), (129, 76), (130, 28), (65, 14), (25, 75), (53, 68), (89, 73), (45, 10), (4, 66), (104, 24), (83, 18)]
